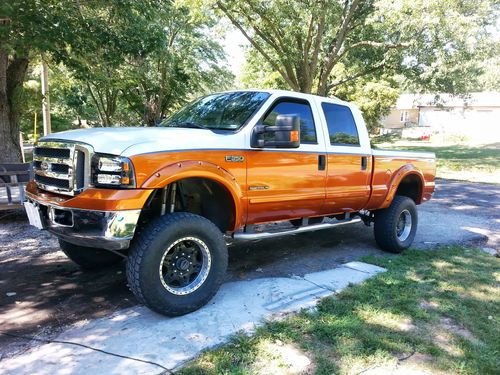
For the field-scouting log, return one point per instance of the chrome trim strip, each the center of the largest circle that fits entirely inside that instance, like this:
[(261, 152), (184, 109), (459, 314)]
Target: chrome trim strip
[(52, 218), (121, 224), (74, 148), (53, 189), (63, 161), (308, 228), (115, 229), (51, 174), (52, 144), (88, 151)]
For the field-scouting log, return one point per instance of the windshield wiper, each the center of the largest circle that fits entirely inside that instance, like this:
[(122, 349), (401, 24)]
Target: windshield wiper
[(185, 124)]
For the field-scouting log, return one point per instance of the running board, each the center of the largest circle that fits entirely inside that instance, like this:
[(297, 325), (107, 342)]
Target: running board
[(307, 228)]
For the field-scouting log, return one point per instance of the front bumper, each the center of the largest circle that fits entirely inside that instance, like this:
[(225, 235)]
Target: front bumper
[(111, 230)]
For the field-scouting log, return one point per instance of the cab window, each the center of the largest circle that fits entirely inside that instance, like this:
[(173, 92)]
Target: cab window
[(341, 125), (298, 108)]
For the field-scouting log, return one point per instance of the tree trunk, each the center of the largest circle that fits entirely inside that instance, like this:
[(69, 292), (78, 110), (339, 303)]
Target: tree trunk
[(12, 75)]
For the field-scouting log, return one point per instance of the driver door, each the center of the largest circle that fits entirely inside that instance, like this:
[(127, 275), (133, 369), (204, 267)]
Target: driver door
[(288, 183)]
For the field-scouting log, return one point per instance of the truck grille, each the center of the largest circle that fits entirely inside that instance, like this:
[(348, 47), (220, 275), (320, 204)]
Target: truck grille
[(62, 167)]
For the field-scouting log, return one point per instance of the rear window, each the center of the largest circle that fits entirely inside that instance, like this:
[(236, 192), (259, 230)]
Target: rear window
[(341, 125)]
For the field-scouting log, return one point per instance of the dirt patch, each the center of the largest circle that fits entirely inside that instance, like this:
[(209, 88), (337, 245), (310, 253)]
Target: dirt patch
[(277, 357), (416, 364), (41, 291), (450, 326), (429, 305)]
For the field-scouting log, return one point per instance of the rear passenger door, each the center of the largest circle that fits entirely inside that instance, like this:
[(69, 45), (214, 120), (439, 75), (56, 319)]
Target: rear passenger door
[(349, 159)]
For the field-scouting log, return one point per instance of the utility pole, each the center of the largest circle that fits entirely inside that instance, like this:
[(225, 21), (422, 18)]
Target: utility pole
[(47, 126)]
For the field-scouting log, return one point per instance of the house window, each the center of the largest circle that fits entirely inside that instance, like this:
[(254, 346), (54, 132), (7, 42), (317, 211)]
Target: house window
[(404, 116)]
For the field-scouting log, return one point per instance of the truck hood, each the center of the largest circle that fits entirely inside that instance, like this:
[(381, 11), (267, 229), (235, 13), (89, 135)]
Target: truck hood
[(139, 140)]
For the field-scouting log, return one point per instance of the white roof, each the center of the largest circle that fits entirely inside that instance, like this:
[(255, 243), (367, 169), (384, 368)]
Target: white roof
[(293, 94), (474, 99)]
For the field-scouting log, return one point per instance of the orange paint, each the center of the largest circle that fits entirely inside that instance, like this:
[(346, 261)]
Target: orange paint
[(188, 169), (93, 199), (284, 185), (265, 185), (389, 172), (348, 185)]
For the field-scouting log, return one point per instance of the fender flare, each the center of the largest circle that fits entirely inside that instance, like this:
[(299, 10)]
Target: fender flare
[(199, 169), (403, 172)]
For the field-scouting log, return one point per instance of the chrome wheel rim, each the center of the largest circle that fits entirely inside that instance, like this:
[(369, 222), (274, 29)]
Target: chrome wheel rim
[(403, 226), (185, 265)]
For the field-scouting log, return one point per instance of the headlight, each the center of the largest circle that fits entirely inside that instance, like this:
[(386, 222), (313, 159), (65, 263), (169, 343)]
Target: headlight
[(112, 171)]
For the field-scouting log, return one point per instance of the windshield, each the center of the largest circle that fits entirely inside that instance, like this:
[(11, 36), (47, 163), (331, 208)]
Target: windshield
[(227, 111)]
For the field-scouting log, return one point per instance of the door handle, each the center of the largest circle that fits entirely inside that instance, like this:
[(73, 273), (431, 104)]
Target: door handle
[(321, 162), (364, 163)]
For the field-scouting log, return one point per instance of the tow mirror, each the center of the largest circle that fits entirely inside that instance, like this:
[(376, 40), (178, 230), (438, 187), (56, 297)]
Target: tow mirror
[(284, 134)]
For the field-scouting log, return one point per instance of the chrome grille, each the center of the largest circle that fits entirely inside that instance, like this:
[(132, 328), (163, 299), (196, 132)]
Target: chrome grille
[(62, 167)]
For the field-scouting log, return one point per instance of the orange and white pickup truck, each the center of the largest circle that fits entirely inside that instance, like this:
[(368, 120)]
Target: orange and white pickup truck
[(169, 198)]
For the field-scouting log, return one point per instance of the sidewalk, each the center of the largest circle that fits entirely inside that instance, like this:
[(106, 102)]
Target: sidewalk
[(139, 341)]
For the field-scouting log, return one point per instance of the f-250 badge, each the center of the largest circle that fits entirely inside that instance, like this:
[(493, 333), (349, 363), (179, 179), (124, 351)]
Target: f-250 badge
[(235, 158)]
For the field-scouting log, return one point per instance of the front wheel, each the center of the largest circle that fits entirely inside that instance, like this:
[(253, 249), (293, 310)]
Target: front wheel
[(177, 263), (396, 226)]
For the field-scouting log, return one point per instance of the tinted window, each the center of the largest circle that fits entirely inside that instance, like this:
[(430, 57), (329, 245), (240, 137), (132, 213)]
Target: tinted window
[(228, 111), (301, 109), (341, 125)]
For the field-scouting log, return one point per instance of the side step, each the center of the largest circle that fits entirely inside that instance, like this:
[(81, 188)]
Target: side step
[(307, 228)]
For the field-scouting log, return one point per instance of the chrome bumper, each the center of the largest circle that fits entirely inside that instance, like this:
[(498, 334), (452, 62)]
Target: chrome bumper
[(112, 230)]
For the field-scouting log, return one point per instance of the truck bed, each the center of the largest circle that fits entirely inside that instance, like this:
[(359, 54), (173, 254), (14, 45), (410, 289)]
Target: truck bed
[(386, 164)]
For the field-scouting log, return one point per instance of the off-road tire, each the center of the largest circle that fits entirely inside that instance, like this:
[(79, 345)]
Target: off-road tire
[(148, 250), (386, 221), (89, 258)]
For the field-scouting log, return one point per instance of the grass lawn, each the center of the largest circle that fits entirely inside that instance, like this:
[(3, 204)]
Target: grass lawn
[(460, 162), (433, 311)]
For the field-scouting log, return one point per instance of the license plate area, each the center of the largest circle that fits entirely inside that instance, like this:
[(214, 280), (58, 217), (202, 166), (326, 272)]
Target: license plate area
[(34, 216)]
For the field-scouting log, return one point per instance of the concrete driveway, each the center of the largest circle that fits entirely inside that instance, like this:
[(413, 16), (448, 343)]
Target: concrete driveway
[(42, 293)]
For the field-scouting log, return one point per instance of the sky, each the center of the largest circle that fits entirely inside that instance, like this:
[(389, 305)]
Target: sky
[(234, 46)]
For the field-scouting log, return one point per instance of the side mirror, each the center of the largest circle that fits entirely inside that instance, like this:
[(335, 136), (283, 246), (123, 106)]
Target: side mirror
[(284, 134)]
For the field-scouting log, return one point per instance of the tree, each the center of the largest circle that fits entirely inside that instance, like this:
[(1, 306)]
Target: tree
[(432, 43), (14, 60), (374, 94), (109, 49), (374, 97), (189, 62), (114, 32), (30, 28)]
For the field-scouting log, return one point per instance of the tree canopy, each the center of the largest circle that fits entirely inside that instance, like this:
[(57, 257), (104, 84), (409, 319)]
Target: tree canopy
[(319, 45), (131, 61)]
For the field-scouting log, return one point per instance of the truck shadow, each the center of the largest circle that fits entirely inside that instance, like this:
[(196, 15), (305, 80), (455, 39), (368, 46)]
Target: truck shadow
[(51, 292)]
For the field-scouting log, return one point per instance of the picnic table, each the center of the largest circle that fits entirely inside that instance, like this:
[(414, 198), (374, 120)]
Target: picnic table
[(13, 179)]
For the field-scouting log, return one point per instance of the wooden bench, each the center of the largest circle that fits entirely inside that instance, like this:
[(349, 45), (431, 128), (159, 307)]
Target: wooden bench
[(13, 179)]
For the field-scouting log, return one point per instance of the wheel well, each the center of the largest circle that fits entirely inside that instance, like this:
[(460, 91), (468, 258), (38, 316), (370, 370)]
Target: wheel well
[(411, 187), (200, 196)]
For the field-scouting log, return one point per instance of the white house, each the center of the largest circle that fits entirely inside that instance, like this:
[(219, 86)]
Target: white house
[(475, 116)]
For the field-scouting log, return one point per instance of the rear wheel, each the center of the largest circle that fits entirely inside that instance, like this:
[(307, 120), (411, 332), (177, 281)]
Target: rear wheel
[(177, 263), (396, 226), (89, 258)]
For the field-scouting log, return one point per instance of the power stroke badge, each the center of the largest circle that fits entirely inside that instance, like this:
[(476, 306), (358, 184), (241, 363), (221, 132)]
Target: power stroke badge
[(235, 158)]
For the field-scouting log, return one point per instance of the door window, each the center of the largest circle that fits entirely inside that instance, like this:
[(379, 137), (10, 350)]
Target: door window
[(298, 108), (341, 125)]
